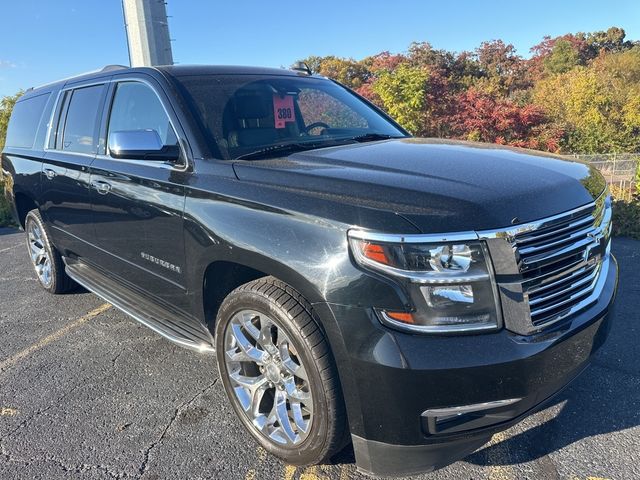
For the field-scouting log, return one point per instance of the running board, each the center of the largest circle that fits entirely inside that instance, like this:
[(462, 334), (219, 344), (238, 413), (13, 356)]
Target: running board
[(173, 326)]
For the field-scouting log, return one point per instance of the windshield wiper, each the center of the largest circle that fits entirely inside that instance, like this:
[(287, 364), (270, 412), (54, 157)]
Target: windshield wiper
[(287, 148), (372, 137)]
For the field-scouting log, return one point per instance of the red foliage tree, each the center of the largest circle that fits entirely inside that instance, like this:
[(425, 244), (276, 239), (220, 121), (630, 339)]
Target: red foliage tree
[(482, 117)]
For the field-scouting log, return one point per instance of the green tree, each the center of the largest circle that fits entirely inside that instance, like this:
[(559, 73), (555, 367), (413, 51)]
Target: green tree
[(6, 107), (502, 69), (402, 92), (599, 107), (347, 71), (563, 58), (611, 40)]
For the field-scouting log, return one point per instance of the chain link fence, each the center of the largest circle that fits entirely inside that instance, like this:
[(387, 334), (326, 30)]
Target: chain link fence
[(621, 170)]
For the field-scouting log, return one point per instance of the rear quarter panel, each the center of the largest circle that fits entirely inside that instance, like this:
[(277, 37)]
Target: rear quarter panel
[(21, 171)]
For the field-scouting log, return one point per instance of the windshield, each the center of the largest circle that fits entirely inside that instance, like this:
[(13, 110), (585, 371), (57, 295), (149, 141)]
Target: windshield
[(259, 116)]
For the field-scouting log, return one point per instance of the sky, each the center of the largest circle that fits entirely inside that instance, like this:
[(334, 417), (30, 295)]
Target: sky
[(46, 40)]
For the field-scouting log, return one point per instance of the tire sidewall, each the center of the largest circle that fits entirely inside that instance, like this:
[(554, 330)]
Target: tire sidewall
[(34, 217), (312, 448)]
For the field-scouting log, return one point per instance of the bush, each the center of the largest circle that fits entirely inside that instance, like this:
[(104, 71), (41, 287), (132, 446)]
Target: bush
[(5, 215), (626, 218)]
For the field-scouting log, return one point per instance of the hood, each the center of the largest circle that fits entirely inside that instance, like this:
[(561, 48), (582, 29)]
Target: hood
[(439, 186)]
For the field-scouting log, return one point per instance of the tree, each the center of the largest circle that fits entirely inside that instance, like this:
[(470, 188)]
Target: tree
[(347, 71), (563, 57), (542, 51), (501, 67), (6, 107), (579, 92), (480, 116), (611, 40), (597, 109), (402, 92)]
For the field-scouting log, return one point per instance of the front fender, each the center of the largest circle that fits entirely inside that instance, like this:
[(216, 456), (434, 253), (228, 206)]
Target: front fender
[(308, 252)]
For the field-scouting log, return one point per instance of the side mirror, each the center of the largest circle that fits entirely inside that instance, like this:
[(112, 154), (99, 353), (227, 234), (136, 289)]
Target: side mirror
[(141, 145)]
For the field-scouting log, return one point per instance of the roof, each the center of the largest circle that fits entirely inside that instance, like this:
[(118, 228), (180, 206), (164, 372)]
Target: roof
[(172, 70), (184, 70)]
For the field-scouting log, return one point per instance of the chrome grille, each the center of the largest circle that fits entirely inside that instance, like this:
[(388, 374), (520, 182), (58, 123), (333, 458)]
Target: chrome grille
[(561, 259)]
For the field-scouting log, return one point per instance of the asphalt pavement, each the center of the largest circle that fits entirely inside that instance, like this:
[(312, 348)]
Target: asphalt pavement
[(88, 393)]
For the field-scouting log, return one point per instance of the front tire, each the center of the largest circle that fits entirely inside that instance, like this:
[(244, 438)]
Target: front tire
[(279, 373), (45, 259)]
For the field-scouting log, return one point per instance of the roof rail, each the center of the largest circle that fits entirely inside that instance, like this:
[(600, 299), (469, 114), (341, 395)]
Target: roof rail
[(109, 68)]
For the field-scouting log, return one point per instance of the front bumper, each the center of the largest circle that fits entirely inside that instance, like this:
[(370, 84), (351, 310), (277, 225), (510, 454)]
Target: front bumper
[(396, 383)]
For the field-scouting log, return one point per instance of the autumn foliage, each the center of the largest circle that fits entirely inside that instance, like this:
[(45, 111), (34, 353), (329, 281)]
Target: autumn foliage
[(577, 93)]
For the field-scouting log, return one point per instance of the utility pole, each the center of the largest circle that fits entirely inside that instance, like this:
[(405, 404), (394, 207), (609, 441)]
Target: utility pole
[(147, 32)]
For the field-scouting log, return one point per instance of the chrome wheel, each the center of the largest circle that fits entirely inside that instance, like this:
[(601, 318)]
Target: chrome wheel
[(268, 378), (38, 252)]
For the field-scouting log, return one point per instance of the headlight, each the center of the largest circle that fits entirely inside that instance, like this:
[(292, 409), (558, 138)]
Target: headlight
[(450, 283)]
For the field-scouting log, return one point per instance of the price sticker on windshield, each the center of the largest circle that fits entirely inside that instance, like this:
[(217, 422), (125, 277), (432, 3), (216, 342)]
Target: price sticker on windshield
[(283, 111)]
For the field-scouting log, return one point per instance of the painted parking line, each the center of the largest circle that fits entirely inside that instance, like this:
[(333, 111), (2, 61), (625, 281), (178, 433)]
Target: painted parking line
[(499, 455), (289, 472), (10, 248), (252, 472), (57, 335)]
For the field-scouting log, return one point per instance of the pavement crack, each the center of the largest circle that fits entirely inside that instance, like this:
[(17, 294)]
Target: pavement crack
[(83, 383), (65, 466), (115, 359), (147, 452), (40, 411)]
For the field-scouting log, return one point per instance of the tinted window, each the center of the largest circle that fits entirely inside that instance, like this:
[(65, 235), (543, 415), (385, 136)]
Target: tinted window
[(317, 106), (25, 120), (80, 126), (247, 114), (137, 107)]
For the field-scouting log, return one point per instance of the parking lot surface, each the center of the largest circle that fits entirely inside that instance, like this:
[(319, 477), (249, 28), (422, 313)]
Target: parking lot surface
[(88, 393)]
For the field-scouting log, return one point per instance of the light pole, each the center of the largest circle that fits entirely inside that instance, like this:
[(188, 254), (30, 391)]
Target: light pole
[(147, 32)]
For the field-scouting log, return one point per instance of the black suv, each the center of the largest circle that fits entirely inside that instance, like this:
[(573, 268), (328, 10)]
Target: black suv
[(412, 296)]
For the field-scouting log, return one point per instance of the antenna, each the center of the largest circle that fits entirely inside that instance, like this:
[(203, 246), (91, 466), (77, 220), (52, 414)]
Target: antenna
[(110, 68), (302, 68)]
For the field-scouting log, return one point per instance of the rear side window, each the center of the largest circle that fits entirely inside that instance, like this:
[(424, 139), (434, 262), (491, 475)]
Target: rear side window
[(137, 107), (24, 122), (80, 129)]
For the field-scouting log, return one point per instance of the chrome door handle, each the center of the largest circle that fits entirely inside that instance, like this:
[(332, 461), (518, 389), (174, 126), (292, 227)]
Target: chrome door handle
[(50, 174), (101, 187)]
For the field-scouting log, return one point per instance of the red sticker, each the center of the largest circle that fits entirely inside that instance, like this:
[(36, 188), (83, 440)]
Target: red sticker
[(283, 111)]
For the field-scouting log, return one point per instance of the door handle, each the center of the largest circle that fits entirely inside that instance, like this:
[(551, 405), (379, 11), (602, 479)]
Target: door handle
[(101, 187), (50, 174)]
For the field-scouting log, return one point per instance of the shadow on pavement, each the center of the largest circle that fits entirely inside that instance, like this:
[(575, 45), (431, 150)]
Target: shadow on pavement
[(8, 230)]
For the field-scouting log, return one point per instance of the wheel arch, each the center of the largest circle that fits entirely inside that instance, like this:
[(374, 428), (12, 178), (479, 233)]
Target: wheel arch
[(221, 277), (23, 204)]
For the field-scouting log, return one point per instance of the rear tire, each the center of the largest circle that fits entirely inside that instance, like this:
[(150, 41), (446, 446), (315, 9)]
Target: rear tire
[(279, 374), (45, 259)]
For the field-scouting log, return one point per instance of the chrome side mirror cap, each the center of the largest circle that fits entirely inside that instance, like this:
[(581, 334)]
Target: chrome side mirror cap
[(141, 145)]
